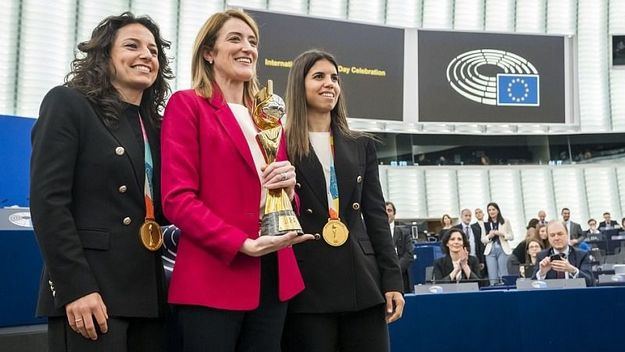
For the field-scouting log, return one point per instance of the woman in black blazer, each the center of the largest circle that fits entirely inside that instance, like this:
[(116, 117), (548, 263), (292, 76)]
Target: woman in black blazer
[(94, 183), (352, 275), (457, 265)]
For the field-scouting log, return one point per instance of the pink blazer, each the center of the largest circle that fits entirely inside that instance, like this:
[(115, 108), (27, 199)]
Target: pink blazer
[(211, 191)]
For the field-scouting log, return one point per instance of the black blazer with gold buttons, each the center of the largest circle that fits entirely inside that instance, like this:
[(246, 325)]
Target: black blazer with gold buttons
[(355, 275), (87, 204)]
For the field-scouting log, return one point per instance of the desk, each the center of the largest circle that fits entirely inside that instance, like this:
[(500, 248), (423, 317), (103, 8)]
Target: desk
[(512, 321), (20, 270)]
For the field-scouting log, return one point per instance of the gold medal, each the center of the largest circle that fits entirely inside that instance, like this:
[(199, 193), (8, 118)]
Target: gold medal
[(335, 233), (151, 236)]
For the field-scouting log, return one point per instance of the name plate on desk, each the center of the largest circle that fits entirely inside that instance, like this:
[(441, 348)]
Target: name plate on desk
[(612, 279), (446, 288), (528, 284), (12, 219)]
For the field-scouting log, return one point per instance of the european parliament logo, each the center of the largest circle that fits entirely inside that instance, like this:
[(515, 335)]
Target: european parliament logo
[(519, 85)]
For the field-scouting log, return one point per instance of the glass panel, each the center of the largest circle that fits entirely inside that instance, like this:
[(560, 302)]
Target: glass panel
[(437, 14), (469, 15), (47, 43), (442, 193), (193, 14), (8, 62), (406, 188), (405, 13), (366, 10)]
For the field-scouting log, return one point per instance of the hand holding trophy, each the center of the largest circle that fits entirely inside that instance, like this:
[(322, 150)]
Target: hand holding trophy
[(279, 217)]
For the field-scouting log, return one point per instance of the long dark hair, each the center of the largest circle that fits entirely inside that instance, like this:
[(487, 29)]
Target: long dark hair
[(500, 218), (296, 105), (90, 73)]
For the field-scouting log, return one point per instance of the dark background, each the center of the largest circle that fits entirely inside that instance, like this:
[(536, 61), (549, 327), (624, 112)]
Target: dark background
[(284, 37), (438, 102)]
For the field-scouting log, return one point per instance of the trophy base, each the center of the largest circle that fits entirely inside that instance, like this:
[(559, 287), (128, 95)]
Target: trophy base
[(279, 223)]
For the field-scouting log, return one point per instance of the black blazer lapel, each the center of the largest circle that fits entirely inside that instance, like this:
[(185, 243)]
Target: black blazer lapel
[(347, 164), (311, 172), (124, 135)]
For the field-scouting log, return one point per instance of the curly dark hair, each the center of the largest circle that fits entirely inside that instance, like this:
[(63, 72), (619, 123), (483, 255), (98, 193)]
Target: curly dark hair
[(91, 75)]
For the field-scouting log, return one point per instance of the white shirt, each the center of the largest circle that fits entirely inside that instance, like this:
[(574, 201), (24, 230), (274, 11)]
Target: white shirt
[(470, 237), (320, 142), (242, 114)]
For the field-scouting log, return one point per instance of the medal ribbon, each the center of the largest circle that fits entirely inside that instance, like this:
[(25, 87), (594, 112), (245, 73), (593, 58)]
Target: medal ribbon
[(149, 171), (333, 187)]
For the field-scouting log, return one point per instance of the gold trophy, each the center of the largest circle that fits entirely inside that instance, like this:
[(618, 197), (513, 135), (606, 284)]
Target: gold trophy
[(279, 217)]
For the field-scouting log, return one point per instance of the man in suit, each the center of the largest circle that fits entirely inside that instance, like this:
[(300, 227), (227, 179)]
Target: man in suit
[(403, 246), (474, 235), (542, 218), (608, 223), (574, 229), (573, 263)]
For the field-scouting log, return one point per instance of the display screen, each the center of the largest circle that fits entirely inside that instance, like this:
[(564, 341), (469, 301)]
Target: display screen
[(371, 59), (491, 78)]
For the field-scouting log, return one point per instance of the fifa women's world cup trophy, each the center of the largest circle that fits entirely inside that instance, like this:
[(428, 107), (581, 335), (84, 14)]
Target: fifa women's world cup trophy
[(279, 217)]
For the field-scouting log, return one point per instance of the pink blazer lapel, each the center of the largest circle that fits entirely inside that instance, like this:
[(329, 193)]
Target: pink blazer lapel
[(229, 123)]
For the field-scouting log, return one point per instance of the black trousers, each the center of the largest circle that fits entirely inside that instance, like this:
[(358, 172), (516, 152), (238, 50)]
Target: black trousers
[(361, 331), (206, 329), (124, 335)]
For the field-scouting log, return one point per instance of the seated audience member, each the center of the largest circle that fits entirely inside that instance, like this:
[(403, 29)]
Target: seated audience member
[(562, 261), (542, 235), (446, 224), (520, 251), (532, 248), (608, 223), (474, 235), (592, 228), (457, 264), (573, 229)]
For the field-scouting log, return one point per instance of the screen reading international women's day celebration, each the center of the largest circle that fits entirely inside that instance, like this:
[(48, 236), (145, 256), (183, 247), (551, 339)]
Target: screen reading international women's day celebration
[(370, 58)]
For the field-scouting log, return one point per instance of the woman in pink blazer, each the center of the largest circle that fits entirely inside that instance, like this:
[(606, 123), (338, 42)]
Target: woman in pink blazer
[(229, 285)]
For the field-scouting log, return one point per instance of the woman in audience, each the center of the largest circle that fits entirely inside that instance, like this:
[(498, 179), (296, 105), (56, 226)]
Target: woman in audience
[(519, 253), (496, 238), (532, 248), (94, 188), (541, 230), (532, 223), (457, 264), (446, 224)]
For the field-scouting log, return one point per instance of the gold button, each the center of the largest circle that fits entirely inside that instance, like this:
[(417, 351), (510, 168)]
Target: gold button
[(359, 179), (356, 206), (120, 151), (309, 211), (127, 220), (122, 189)]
